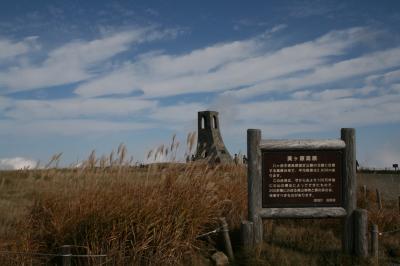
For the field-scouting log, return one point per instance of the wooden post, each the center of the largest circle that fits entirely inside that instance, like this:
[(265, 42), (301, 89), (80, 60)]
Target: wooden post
[(254, 180), (374, 241), (378, 199), (349, 189), (227, 239), (365, 198), (258, 230), (361, 231), (246, 229), (66, 255)]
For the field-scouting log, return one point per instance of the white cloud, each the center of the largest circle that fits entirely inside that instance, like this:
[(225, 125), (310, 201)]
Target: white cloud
[(32, 77), (17, 163), (238, 72), (347, 111), (5, 103), (258, 68), (226, 105), (73, 62), (154, 69), (246, 64), (202, 60), (301, 94), (69, 127), (329, 73), (76, 108), (396, 87), (86, 53), (121, 81), (325, 111), (324, 114), (333, 94), (393, 76), (386, 78), (180, 113), (239, 64), (278, 27), (10, 49)]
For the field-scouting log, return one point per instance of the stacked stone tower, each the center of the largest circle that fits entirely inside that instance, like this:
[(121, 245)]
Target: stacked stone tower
[(210, 145)]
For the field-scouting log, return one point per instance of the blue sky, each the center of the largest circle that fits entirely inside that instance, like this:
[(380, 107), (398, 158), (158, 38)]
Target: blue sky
[(82, 75)]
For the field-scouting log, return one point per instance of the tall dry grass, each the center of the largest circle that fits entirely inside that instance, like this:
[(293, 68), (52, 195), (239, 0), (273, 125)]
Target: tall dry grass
[(133, 221), (152, 215), (148, 215)]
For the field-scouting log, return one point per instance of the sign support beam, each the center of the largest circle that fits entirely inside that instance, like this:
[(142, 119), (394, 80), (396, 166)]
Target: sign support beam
[(350, 189), (254, 183)]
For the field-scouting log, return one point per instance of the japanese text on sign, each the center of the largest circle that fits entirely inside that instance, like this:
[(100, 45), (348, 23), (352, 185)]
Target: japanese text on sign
[(301, 178)]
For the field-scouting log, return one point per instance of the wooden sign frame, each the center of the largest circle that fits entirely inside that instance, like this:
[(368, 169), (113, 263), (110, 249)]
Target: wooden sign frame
[(256, 213)]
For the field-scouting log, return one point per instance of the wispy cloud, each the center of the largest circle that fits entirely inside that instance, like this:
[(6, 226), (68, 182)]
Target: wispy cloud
[(152, 70), (244, 64), (244, 76), (78, 108), (73, 62), (354, 67), (327, 113), (247, 64), (4, 103), (278, 28), (75, 116), (9, 49), (386, 78), (395, 88), (68, 127), (180, 113)]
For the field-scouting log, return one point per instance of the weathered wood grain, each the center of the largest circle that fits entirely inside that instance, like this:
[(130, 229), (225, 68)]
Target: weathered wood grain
[(361, 231), (349, 189), (328, 144), (254, 180), (247, 235), (312, 212), (374, 241)]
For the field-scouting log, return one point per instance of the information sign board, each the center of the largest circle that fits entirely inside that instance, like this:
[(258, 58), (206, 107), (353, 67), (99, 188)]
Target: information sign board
[(302, 178)]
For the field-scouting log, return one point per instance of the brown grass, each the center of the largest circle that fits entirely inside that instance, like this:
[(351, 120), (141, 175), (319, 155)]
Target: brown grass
[(146, 216), (132, 221), (153, 215)]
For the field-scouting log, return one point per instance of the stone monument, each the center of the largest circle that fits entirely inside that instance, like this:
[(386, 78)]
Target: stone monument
[(210, 145)]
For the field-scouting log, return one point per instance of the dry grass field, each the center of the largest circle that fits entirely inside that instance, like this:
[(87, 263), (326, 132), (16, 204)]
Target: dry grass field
[(389, 183), (153, 216)]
